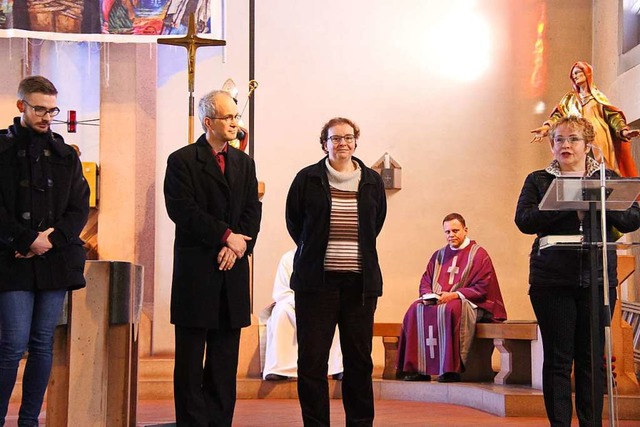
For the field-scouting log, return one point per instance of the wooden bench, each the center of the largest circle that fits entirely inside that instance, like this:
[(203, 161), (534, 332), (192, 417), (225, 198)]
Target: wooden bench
[(390, 333), (512, 339)]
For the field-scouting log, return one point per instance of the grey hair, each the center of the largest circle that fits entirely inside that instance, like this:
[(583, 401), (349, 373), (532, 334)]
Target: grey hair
[(207, 105)]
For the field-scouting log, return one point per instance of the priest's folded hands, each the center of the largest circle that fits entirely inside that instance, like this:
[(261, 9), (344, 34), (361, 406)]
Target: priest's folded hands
[(445, 297)]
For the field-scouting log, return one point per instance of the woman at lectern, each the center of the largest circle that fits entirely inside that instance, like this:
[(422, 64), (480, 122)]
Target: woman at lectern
[(559, 279)]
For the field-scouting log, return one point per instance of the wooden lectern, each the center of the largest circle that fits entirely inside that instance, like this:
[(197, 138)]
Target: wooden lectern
[(94, 377)]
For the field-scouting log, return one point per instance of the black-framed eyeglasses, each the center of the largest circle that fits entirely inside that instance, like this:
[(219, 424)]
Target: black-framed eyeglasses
[(228, 118), (349, 139), (573, 140), (42, 111)]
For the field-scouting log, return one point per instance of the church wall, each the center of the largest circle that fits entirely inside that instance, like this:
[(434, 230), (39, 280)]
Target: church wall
[(621, 87), (463, 145)]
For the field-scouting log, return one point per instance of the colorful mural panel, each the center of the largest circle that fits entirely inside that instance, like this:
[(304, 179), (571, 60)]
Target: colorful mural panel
[(98, 20)]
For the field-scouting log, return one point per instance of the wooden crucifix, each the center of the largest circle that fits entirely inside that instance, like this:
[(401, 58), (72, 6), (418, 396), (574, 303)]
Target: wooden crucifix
[(191, 42)]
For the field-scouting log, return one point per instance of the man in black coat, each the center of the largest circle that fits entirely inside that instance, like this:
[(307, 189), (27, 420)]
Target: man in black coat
[(44, 204), (211, 194)]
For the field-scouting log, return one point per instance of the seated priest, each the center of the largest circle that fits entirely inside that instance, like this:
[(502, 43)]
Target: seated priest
[(458, 289), (281, 355)]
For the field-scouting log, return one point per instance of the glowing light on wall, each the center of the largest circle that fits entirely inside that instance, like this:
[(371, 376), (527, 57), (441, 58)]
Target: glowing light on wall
[(459, 45), (538, 75)]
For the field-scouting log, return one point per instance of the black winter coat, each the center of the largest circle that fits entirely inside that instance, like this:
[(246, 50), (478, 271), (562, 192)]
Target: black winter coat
[(563, 267), (308, 212), (59, 199), (203, 204)]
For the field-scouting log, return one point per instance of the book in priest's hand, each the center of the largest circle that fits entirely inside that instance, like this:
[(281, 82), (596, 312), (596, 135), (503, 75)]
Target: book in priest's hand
[(430, 297)]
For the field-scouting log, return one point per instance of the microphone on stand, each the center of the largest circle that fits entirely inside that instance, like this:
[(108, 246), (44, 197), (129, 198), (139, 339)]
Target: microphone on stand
[(608, 350), (603, 198)]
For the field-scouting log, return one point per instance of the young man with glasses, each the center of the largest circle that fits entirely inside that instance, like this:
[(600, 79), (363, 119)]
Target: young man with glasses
[(44, 204)]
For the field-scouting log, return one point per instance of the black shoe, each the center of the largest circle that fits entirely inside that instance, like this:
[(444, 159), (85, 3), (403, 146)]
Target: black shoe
[(416, 377), (338, 376), (449, 377), (275, 377)]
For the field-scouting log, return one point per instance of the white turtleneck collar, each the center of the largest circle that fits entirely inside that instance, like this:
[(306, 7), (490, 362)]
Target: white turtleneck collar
[(344, 181), (467, 242)]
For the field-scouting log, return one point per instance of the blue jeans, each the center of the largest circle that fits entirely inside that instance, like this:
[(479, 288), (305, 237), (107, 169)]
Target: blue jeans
[(27, 322)]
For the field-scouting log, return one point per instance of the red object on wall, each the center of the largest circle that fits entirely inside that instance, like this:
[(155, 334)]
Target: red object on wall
[(71, 121)]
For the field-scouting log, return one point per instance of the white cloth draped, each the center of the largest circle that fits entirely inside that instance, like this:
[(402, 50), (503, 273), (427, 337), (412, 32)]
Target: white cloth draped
[(281, 355)]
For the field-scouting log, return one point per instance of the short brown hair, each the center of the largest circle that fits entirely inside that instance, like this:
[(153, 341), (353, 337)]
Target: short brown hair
[(324, 133), (576, 123), (36, 84), (453, 216)]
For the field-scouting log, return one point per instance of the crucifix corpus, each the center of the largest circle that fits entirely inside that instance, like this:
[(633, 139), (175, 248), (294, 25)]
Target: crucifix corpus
[(191, 42)]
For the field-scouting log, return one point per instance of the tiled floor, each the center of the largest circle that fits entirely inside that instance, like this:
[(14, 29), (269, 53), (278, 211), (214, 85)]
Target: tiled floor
[(286, 412)]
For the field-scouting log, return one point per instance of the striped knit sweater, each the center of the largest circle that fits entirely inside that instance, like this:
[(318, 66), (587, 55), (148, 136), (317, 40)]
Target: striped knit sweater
[(343, 252)]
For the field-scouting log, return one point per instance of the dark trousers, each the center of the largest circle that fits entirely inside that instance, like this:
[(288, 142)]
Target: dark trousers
[(564, 318), (317, 314), (205, 396)]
